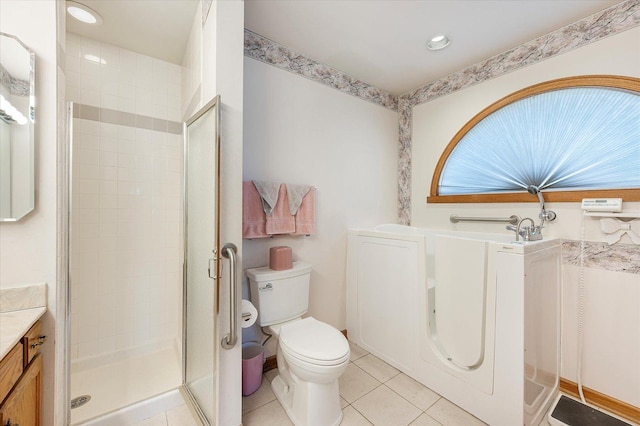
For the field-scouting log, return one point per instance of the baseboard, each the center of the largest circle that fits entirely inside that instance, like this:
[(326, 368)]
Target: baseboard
[(615, 406), (270, 362)]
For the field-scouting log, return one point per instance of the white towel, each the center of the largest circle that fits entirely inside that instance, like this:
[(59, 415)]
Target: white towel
[(296, 193), (269, 193)]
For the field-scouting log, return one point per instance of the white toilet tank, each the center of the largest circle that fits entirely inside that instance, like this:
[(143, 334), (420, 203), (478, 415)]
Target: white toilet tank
[(280, 296)]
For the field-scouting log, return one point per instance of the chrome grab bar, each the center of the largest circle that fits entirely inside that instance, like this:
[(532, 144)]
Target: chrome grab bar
[(513, 219), (229, 340)]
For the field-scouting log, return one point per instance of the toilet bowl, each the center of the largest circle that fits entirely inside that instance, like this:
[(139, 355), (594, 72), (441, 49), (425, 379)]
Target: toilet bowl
[(311, 354), (311, 357)]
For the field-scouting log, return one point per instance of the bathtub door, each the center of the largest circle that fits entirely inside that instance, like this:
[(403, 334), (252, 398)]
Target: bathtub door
[(201, 267)]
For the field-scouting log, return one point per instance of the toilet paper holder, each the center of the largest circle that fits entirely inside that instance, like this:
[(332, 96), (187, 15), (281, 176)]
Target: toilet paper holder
[(249, 314)]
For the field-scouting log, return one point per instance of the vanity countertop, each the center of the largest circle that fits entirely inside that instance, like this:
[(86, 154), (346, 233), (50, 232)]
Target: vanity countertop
[(13, 325)]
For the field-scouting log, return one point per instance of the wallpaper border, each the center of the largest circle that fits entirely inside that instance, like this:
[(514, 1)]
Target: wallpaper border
[(272, 53)]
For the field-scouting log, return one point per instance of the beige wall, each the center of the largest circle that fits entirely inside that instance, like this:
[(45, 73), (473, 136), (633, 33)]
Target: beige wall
[(610, 296), (28, 247), (299, 131)]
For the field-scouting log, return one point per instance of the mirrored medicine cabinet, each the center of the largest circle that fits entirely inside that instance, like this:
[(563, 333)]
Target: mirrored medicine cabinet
[(17, 121)]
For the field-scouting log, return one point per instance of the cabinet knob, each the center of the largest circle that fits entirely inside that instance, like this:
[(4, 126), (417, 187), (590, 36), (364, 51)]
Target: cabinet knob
[(11, 424)]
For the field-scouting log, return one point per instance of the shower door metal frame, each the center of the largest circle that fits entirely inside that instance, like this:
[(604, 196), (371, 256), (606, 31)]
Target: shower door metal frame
[(187, 394), (66, 397)]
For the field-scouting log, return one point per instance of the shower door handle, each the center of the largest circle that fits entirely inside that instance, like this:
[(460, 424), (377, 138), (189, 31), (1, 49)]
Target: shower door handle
[(229, 251)]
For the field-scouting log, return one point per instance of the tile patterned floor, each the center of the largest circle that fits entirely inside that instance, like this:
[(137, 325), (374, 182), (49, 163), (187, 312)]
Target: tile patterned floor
[(372, 393)]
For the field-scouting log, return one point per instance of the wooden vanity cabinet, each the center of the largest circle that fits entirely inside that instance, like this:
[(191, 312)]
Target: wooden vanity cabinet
[(21, 382), (22, 406)]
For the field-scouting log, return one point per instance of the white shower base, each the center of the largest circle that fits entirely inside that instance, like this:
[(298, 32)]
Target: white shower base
[(123, 381)]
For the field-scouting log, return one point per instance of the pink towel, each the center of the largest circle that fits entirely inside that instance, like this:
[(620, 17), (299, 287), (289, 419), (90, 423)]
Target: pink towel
[(306, 216), (253, 217), (280, 221)]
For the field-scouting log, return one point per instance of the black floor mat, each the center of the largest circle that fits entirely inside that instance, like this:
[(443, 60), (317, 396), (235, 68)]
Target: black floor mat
[(574, 413)]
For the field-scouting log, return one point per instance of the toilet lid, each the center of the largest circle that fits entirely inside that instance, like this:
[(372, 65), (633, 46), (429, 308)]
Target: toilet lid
[(314, 341)]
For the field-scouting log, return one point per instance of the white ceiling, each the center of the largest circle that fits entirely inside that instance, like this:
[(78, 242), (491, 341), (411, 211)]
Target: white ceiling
[(381, 42), (158, 28)]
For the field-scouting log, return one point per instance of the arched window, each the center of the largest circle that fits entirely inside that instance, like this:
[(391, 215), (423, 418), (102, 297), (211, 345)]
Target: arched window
[(573, 138)]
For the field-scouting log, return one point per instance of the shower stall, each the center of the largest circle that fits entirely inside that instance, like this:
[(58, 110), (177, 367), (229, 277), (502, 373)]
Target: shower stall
[(144, 251), (141, 324), (143, 300), (126, 249), (126, 261)]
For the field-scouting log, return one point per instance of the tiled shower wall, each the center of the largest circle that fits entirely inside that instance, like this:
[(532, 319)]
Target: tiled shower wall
[(103, 75), (126, 254)]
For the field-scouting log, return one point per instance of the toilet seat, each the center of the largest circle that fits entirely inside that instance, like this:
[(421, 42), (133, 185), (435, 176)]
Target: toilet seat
[(314, 342)]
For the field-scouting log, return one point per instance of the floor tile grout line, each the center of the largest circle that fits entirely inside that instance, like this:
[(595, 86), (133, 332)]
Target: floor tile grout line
[(421, 410), (384, 362), (414, 419), (262, 405), (360, 357), (367, 373), (396, 375), (398, 371), (362, 414), (401, 397), (436, 401), (371, 421), (432, 418), (378, 381), (365, 394)]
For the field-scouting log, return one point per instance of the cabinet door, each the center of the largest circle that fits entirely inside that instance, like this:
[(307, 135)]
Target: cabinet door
[(10, 371), (22, 406)]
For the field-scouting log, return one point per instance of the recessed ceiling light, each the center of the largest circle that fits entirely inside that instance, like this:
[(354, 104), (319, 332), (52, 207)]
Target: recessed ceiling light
[(438, 42), (83, 13)]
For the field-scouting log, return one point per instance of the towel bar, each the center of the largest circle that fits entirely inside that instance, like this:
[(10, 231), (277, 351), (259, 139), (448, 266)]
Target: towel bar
[(513, 219)]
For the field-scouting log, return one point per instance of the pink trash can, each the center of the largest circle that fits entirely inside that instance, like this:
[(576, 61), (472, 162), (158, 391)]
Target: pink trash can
[(252, 360)]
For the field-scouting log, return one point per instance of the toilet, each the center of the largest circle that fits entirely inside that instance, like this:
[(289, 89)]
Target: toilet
[(311, 354)]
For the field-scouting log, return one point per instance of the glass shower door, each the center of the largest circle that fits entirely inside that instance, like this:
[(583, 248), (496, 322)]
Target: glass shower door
[(202, 250)]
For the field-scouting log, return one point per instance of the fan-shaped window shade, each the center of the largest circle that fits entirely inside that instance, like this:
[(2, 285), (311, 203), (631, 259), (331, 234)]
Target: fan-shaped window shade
[(565, 136)]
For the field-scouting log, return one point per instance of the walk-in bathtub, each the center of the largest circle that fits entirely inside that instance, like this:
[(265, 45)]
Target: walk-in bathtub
[(473, 316)]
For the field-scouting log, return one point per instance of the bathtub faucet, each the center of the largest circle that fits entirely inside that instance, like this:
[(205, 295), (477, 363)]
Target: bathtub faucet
[(528, 233), (533, 232)]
